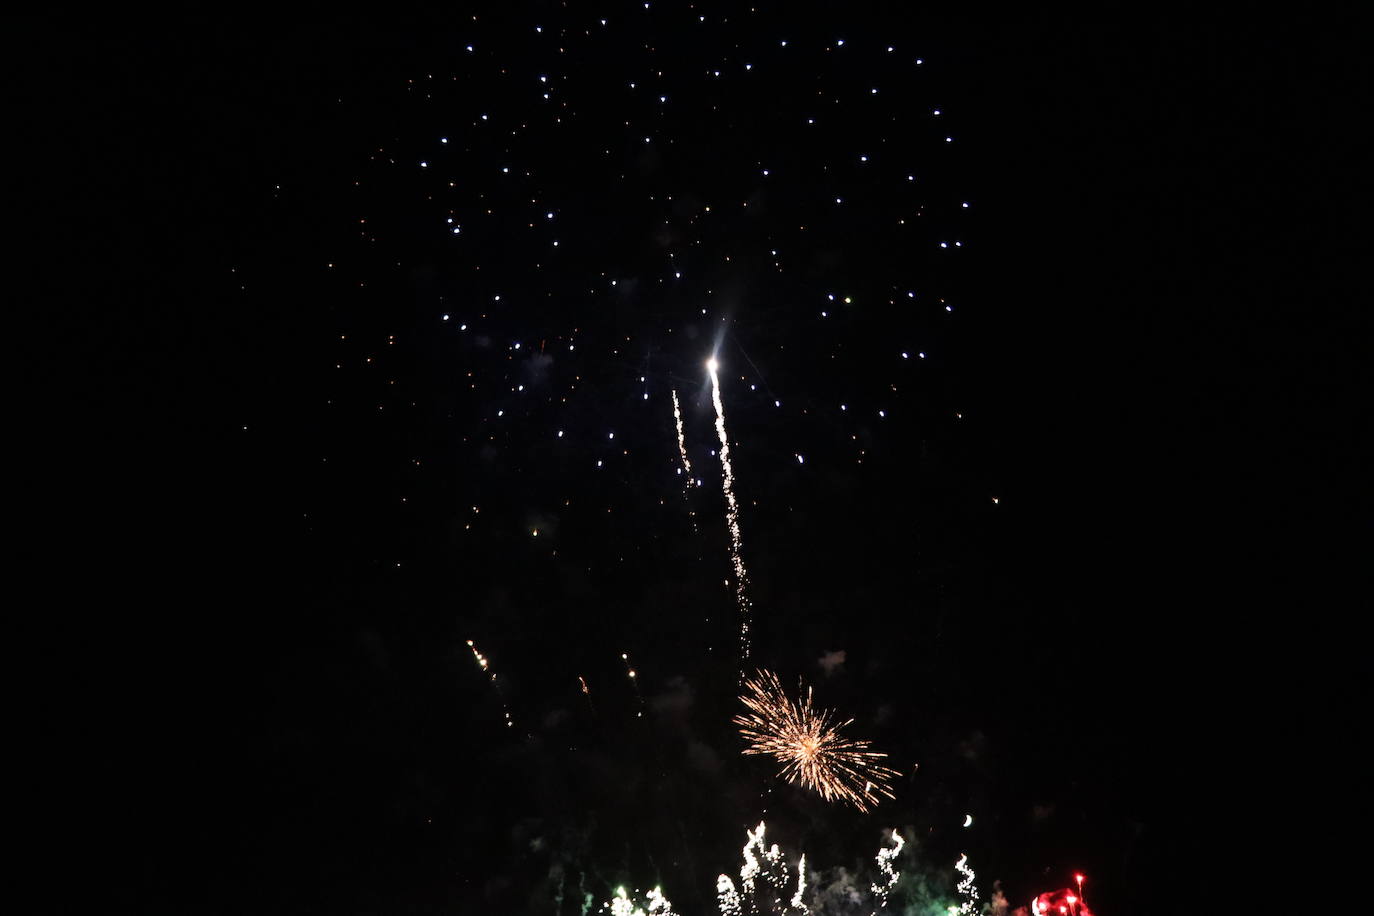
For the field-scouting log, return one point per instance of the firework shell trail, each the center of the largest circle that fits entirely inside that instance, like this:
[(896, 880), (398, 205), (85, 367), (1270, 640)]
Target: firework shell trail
[(587, 692), (808, 744), (486, 669), (732, 521)]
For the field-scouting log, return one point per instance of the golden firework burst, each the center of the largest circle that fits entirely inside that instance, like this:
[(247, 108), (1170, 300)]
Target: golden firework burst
[(808, 744)]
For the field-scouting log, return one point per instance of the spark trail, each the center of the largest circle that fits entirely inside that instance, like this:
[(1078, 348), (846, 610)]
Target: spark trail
[(884, 859), (732, 520), (486, 668), (686, 465)]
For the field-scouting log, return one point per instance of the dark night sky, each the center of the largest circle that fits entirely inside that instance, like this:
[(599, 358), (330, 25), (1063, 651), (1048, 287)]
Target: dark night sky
[(263, 556)]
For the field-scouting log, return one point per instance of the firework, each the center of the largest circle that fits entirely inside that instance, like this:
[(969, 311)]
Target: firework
[(655, 905), (634, 681), (765, 881), (732, 519), (686, 464), (884, 859), (486, 668), (727, 898), (969, 906), (809, 745), (764, 896)]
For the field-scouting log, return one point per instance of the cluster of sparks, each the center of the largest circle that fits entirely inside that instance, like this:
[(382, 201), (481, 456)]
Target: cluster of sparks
[(884, 859), (731, 518), (682, 453), (765, 880), (655, 904), (966, 889), (1064, 902), (809, 745)]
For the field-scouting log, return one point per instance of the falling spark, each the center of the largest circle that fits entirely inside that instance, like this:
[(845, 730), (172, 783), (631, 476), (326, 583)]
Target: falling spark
[(732, 518), (884, 859), (970, 893), (686, 465), (486, 668), (809, 745)]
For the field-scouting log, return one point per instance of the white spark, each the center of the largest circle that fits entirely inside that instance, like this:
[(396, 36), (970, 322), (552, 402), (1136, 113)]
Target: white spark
[(969, 907), (884, 859)]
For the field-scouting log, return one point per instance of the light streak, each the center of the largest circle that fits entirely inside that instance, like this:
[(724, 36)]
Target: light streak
[(732, 519), (486, 668), (809, 745), (686, 464), (884, 859)]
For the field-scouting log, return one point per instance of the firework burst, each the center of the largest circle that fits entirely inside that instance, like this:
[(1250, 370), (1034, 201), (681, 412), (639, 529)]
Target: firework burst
[(808, 744)]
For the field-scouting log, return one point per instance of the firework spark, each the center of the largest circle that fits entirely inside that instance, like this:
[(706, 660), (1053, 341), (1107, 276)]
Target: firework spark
[(486, 668), (622, 905), (732, 519), (809, 745), (884, 858), (969, 906), (681, 439), (766, 879), (756, 896)]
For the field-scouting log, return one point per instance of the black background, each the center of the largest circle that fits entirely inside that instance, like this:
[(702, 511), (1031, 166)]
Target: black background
[(249, 709)]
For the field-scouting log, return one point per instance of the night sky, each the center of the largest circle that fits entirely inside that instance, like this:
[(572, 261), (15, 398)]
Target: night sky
[(376, 324)]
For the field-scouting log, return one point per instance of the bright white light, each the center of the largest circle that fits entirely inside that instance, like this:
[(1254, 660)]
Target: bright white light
[(712, 365)]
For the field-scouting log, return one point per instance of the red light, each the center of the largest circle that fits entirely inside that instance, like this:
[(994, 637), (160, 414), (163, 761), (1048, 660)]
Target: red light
[(1063, 909), (1078, 878), (1071, 898)]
